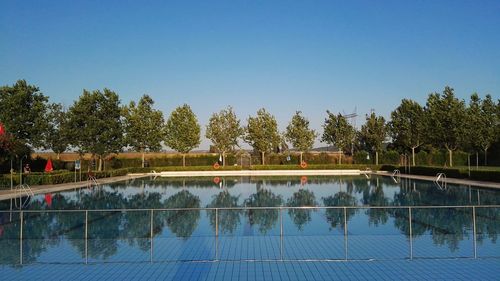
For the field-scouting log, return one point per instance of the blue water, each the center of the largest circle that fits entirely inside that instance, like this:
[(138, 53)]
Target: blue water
[(83, 227)]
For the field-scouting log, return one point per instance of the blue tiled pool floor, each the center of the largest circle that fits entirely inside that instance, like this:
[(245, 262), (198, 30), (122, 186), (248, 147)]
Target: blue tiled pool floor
[(450, 269)]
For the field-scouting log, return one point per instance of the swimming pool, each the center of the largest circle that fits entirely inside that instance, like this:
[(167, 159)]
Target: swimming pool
[(252, 219)]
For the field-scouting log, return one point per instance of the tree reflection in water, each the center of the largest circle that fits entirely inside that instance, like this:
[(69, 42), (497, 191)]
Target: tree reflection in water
[(445, 226), (301, 198), (182, 222), (335, 217), (265, 218), (228, 220)]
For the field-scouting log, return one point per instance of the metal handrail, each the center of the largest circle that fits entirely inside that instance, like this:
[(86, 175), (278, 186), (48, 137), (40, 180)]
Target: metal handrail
[(257, 208), (441, 177)]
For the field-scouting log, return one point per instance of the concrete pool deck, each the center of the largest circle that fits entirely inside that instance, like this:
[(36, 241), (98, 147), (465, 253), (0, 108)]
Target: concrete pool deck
[(40, 189)]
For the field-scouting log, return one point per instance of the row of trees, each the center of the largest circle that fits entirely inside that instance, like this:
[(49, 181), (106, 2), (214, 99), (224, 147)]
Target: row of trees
[(98, 124)]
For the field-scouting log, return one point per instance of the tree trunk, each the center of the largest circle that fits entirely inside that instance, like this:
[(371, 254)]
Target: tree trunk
[(58, 156), (100, 164), (451, 157), (477, 160), (223, 159), (300, 158), (183, 160), (486, 157), (263, 162), (376, 157), (413, 155), (340, 158), (143, 157)]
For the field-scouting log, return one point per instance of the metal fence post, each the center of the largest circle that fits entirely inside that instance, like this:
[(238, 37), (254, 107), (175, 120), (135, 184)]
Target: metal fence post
[(151, 237), (411, 232), (281, 233), (216, 233), (21, 238), (345, 233), (474, 230), (86, 236)]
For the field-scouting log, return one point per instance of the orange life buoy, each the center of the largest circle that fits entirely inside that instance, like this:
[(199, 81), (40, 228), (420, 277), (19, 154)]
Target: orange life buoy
[(303, 180), (216, 180), (216, 165), (303, 165)]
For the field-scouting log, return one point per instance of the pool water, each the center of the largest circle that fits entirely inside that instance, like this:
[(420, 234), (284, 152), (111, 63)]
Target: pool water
[(252, 219)]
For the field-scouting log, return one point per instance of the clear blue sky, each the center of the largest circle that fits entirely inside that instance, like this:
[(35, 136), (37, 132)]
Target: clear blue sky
[(281, 55)]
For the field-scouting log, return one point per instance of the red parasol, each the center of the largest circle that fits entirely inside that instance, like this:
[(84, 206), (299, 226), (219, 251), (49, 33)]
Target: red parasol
[(48, 199), (48, 167)]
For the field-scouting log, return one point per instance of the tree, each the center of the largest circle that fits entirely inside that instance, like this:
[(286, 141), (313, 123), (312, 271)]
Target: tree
[(337, 131), (24, 113), (143, 126), (182, 131), (374, 133), (489, 125), (223, 130), (56, 137), (94, 123), (262, 132), (407, 126), (470, 139), (299, 134), (445, 119)]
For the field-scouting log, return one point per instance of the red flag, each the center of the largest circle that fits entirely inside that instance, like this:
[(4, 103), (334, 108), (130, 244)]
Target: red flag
[(2, 129), (48, 199), (48, 167)]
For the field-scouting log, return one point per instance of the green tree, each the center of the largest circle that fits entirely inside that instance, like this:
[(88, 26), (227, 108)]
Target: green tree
[(299, 134), (24, 113), (488, 128), (56, 137), (470, 139), (374, 133), (445, 119), (337, 131), (407, 126), (223, 130), (94, 123), (143, 126), (182, 131), (262, 132)]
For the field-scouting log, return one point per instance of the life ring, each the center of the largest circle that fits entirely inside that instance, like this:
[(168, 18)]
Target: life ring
[(303, 180), (303, 165), (216, 165), (216, 180)]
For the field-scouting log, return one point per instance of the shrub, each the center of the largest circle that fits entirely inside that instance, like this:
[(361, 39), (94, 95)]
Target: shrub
[(360, 157)]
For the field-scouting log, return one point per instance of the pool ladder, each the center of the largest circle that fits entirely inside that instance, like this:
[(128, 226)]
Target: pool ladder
[(440, 181), (396, 175), (92, 181), (23, 190)]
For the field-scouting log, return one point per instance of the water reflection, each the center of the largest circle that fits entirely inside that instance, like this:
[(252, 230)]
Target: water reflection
[(108, 230), (301, 198), (265, 219), (228, 220)]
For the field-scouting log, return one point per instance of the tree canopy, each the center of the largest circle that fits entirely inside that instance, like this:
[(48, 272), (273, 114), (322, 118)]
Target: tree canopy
[(299, 134), (94, 123), (223, 130), (374, 133), (24, 113), (407, 127), (445, 120), (182, 131), (143, 126), (337, 131), (262, 132)]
